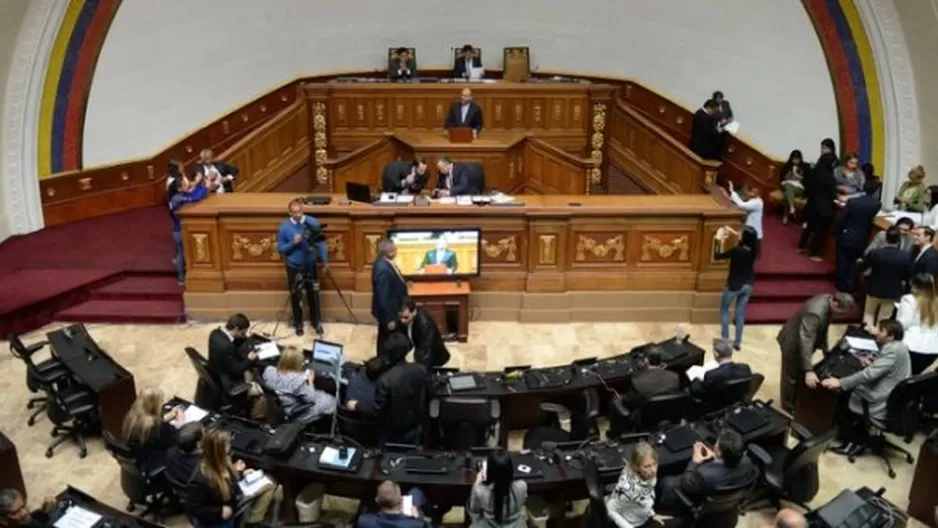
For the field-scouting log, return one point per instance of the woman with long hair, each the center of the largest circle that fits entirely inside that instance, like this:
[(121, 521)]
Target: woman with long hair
[(918, 315), (294, 387), (497, 499), (739, 281), (632, 503), (794, 172), (930, 218), (147, 431), (850, 179), (214, 492)]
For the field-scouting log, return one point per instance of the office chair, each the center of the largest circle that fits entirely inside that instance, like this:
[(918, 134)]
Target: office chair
[(719, 510), (463, 423), (74, 414), (276, 414), (655, 411), (583, 422), (903, 416), (42, 376), (140, 488), (791, 474), (354, 425), (214, 399), (728, 393), (596, 514)]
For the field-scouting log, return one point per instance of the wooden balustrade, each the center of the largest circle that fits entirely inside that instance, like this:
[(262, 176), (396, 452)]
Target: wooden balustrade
[(363, 165), (653, 158), (549, 170)]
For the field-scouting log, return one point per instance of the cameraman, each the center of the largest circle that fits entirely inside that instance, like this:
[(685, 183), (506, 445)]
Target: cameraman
[(293, 242)]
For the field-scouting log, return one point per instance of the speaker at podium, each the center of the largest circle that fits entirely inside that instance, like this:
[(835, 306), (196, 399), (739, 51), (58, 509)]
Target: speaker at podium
[(460, 135)]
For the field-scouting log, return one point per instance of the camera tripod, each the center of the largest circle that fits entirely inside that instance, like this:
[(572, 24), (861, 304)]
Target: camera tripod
[(303, 280)]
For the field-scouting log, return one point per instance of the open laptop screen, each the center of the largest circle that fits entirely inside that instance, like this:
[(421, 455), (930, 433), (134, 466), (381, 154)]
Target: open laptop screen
[(326, 352)]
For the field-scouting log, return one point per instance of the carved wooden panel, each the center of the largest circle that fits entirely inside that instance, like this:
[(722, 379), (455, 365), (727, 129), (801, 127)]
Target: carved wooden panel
[(547, 249), (336, 246), (665, 247), (599, 247), (201, 250), (254, 247), (501, 248)]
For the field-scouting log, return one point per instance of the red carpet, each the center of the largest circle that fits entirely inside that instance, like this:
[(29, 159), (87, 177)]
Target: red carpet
[(115, 268)]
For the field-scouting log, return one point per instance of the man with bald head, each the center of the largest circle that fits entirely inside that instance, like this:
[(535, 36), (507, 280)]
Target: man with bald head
[(464, 113), (388, 290), (217, 175), (789, 518)]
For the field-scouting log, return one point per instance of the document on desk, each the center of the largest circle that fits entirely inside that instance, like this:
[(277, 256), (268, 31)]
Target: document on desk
[(894, 216), (77, 517), (192, 413), (862, 344), (268, 350), (331, 457), (464, 200), (697, 372), (254, 483)]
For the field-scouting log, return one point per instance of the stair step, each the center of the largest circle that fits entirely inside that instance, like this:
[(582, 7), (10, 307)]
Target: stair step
[(760, 312), (770, 289), (124, 311), (154, 287)]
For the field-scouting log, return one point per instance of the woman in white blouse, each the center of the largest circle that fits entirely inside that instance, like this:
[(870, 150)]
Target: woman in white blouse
[(918, 314), (930, 218)]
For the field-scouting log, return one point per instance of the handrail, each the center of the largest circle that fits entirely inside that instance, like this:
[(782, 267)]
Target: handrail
[(665, 137), (586, 163), (368, 148)]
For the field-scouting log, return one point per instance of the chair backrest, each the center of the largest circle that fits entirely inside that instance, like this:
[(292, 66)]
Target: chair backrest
[(727, 393), (392, 54), (800, 467), (353, 425), (477, 175), (275, 412), (755, 383), (17, 348), (904, 405), (722, 508), (200, 364), (662, 408), (457, 53), (464, 423), (596, 515), (583, 419)]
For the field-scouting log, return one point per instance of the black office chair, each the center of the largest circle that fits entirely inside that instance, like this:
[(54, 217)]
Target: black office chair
[(276, 414), (214, 399), (719, 510), (355, 425), (790, 474), (903, 417), (728, 393), (463, 423), (650, 416), (583, 422), (42, 376), (141, 489), (477, 176), (596, 515), (74, 413)]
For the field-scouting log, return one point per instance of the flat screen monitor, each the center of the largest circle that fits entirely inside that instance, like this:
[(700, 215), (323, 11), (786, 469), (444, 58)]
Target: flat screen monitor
[(326, 352), (438, 253)]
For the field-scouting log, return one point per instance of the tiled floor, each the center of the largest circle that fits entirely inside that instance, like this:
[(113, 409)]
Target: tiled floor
[(155, 356)]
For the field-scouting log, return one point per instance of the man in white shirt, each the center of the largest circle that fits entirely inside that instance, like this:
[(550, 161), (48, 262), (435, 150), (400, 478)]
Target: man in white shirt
[(217, 175), (748, 200), (465, 62)]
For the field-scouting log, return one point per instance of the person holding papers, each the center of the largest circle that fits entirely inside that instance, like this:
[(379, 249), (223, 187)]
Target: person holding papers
[(215, 489), (465, 62), (440, 256), (872, 385), (721, 370), (748, 200), (793, 174), (918, 314), (148, 432), (391, 513), (296, 390), (705, 133)]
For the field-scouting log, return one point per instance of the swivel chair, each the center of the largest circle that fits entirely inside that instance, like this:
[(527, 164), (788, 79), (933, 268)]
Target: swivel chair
[(728, 393), (276, 414), (791, 474), (583, 422), (42, 376), (596, 514), (650, 415), (719, 510), (463, 423), (355, 425), (214, 398), (141, 489), (74, 414)]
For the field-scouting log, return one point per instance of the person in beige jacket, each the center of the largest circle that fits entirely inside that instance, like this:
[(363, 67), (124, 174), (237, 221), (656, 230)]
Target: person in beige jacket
[(802, 334)]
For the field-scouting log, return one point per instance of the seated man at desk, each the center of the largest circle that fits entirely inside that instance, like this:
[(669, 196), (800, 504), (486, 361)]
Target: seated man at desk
[(723, 370), (652, 380), (872, 385), (429, 349), (363, 382), (405, 178), (182, 459), (227, 362), (464, 113), (458, 179), (401, 396), (15, 512), (439, 256), (391, 514), (465, 62), (725, 466), (402, 66)]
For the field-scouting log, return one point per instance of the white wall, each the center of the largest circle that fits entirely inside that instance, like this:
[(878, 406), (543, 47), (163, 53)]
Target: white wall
[(170, 66), (12, 13)]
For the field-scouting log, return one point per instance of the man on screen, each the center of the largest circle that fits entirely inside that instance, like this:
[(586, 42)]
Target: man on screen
[(441, 256)]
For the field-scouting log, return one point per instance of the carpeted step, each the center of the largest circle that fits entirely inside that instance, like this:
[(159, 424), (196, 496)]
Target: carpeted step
[(124, 311), (771, 290), (762, 312), (142, 288)]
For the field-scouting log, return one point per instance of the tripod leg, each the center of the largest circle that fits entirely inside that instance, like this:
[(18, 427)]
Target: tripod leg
[(315, 307), (338, 290)]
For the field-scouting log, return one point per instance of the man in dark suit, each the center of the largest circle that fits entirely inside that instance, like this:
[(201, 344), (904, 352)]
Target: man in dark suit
[(724, 113), (726, 466), (388, 289), (217, 175), (705, 133), (183, 458), (464, 113), (416, 322), (889, 271), (725, 371), (465, 62), (924, 256), (653, 380), (402, 67), (853, 234), (225, 361), (405, 178), (458, 179)]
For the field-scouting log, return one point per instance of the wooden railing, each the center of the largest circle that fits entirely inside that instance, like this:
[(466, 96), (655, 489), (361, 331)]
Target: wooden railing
[(653, 158), (550, 170), (363, 165), (273, 152)]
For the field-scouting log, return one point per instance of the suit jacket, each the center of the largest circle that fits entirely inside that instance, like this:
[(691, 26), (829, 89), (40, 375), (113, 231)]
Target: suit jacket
[(223, 168), (401, 70), (821, 189), (857, 220), (926, 263), (874, 383), (459, 67), (473, 119), (388, 291), (879, 241), (701, 480), (392, 179), (806, 331), (225, 361), (724, 111), (467, 179), (889, 270), (429, 349), (401, 399), (651, 382), (449, 259), (721, 374), (704, 136)]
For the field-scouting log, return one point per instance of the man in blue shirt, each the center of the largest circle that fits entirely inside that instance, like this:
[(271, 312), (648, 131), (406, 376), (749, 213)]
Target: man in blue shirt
[(183, 192), (293, 242)]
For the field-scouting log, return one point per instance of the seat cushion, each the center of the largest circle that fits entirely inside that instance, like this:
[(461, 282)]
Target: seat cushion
[(536, 437)]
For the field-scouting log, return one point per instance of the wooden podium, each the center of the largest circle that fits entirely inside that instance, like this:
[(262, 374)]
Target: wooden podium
[(448, 304), (460, 135)]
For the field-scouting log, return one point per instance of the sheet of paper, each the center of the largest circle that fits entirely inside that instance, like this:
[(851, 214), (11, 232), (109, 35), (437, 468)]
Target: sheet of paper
[(77, 517), (862, 343), (732, 127), (463, 200), (447, 200), (268, 350), (407, 504), (253, 486), (330, 456), (893, 216), (697, 372), (192, 414)]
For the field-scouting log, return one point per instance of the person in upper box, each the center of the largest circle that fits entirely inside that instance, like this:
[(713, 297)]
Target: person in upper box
[(465, 62), (465, 113), (705, 134), (459, 179), (405, 177), (402, 67)]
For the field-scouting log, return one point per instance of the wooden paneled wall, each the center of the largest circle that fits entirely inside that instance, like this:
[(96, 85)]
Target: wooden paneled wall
[(549, 170), (273, 152)]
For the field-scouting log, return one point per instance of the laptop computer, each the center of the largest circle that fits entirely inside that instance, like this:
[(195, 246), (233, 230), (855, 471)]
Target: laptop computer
[(326, 353), (358, 192)]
